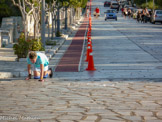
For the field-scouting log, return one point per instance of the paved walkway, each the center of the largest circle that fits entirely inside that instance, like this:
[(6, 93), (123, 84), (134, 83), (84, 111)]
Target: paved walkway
[(122, 89), (58, 101), (71, 58)]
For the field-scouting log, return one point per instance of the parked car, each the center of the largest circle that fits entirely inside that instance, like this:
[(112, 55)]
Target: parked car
[(123, 3), (114, 5), (107, 3), (156, 16), (111, 14)]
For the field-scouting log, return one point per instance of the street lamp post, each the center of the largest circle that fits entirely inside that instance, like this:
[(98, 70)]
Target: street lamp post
[(43, 23)]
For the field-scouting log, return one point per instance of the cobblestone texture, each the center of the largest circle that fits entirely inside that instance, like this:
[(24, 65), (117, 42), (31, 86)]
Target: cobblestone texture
[(80, 101)]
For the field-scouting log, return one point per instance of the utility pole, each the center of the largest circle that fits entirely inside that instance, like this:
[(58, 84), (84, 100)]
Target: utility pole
[(43, 23), (153, 5)]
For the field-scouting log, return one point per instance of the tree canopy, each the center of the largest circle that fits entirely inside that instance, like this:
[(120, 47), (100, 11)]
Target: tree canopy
[(158, 3), (8, 9)]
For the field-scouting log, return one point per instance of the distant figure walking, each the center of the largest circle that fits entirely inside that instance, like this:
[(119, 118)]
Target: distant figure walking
[(87, 12), (139, 18), (129, 13), (125, 12), (97, 10)]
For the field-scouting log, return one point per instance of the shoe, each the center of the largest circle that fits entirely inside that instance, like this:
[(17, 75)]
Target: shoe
[(51, 73)]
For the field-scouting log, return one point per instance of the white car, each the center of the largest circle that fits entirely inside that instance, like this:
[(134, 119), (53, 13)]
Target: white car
[(156, 16), (114, 5)]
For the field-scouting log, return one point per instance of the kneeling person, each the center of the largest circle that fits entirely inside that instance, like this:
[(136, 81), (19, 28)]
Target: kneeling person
[(40, 62)]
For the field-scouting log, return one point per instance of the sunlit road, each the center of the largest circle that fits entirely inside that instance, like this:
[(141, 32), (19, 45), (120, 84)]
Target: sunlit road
[(123, 49)]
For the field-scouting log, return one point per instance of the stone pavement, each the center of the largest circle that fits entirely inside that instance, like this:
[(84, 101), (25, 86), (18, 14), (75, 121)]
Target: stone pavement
[(122, 89), (85, 101)]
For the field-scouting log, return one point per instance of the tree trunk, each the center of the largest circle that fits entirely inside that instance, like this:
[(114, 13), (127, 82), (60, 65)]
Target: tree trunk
[(55, 24), (74, 15), (26, 28), (52, 25), (35, 29), (58, 19), (66, 18), (48, 28), (71, 16)]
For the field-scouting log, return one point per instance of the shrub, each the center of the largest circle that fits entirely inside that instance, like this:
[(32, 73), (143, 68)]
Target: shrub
[(35, 45), (50, 42), (58, 34), (22, 48)]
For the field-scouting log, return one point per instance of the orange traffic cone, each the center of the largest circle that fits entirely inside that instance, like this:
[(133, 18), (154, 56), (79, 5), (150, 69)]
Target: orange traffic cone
[(88, 38), (90, 24), (90, 63), (89, 29), (89, 50), (90, 44), (88, 35)]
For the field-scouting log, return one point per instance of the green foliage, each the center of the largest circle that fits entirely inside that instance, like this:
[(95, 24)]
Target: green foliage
[(22, 48), (58, 34), (142, 3), (84, 3), (149, 5), (35, 45), (50, 42), (7, 8), (73, 3)]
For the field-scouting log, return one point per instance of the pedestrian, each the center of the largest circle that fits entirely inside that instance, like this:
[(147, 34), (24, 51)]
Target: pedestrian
[(40, 62), (129, 13), (125, 12), (87, 12), (97, 11), (143, 16), (122, 9), (147, 15), (138, 16)]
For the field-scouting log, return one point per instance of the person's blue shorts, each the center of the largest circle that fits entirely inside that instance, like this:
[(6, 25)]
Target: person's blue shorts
[(38, 77)]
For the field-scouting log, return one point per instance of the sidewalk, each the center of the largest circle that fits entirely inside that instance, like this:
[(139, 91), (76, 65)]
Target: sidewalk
[(71, 59), (10, 68)]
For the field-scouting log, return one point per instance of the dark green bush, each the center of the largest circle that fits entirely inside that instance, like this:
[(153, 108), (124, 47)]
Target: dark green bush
[(58, 34), (50, 42), (35, 45), (22, 48)]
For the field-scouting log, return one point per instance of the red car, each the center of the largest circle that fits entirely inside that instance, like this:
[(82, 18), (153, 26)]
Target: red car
[(107, 3)]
